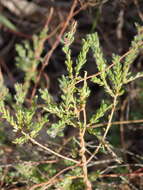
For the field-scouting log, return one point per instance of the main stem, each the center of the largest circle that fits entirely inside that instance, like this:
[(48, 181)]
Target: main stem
[(82, 153)]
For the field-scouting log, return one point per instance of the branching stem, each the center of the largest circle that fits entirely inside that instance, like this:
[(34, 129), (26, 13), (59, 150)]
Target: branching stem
[(107, 128), (82, 153)]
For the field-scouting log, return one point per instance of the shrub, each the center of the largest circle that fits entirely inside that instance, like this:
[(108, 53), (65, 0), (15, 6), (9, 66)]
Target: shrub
[(28, 120)]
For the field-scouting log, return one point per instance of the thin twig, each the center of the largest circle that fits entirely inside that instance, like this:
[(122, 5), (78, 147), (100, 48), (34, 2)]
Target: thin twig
[(50, 181), (119, 175), (28, 163), (51, 151), (118, 123), (109, 67), (49, 54), (107, 129)]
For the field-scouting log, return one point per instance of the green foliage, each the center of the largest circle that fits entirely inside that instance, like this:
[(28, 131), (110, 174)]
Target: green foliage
[(67, 40), (26, 60), (100, 112), (77, 185), (81, 59), (71, 111), (29, 57), (132, 55), (27, 171), (20, 117)]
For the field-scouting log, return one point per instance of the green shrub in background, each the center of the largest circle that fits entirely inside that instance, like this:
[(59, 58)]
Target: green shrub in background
[(71, 111)]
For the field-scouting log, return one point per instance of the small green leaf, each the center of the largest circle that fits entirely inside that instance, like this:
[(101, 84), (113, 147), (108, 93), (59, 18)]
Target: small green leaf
[(7, 23)]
